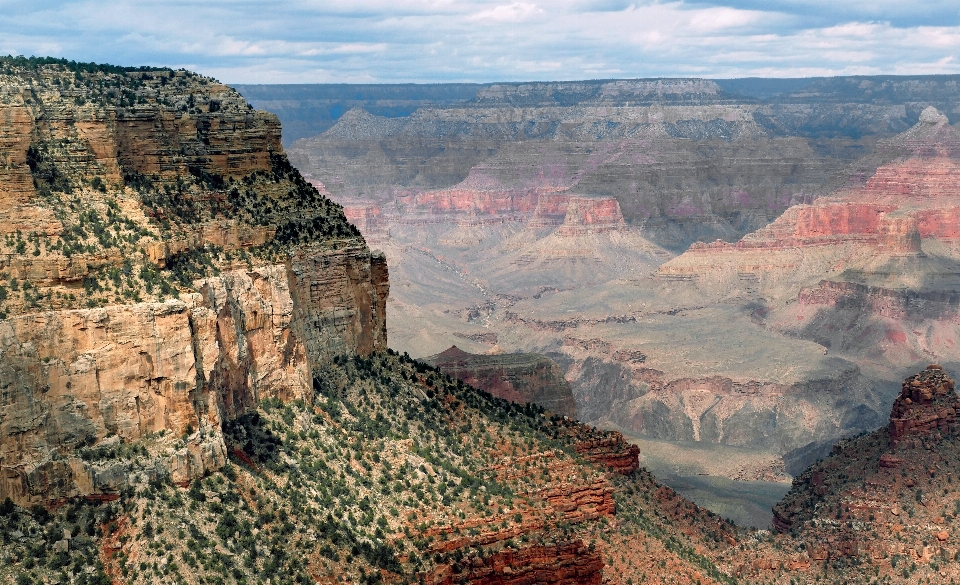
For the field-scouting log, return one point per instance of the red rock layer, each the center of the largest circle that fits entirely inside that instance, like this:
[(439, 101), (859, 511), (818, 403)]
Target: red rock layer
[(927, 407), (591, 215), (368, 217), (540, 206), (567, 563), (611, 451), (472, 201), (551, 210)]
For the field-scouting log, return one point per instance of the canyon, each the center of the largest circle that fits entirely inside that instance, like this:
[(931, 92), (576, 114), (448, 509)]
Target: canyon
[(197, 384), (194, 343), (726, 262)]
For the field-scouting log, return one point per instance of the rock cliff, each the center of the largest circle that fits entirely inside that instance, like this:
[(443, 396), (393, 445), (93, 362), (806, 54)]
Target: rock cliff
[(164, 270)]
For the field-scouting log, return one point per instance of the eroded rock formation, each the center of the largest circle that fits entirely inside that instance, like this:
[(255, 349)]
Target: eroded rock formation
[(517, 377), (183, 367), (927, 407), (178, 272), (878, 500)]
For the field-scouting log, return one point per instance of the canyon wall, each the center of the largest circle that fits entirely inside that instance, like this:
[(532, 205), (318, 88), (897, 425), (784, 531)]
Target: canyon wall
[(178, 272), (75, 379), (690, 160)]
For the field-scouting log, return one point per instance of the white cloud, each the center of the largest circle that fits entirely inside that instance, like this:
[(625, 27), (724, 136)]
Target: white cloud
[(516, 12), (488, 40)]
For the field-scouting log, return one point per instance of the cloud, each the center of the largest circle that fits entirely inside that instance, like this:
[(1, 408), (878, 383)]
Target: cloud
[(303, 41), (516, 12)]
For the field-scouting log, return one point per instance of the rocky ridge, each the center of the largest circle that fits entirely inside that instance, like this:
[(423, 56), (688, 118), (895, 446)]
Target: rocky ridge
[(880, 508)]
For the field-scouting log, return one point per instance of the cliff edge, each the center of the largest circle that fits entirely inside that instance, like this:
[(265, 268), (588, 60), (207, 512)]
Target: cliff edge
[(163, 269)]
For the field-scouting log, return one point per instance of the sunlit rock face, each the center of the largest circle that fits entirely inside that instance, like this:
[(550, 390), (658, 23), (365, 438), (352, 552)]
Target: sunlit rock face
[(178, 272)]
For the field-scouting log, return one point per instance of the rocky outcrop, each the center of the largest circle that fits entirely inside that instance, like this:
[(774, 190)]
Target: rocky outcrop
[(591, 215), (926, 408), (566, 563), (183, 367), (878, 499), (517, 377), (611, 451), (179, 270)]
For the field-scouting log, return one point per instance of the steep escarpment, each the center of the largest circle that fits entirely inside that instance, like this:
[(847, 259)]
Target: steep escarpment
[(164, 269)]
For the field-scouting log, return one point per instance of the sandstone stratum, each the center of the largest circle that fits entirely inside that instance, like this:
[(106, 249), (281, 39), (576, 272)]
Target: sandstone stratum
[(163, 270)]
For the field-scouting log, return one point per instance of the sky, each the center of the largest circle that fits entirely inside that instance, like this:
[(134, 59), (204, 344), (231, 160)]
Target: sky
[(392, 41)]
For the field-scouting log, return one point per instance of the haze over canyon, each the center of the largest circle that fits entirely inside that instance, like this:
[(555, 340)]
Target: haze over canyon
[(749, 264)]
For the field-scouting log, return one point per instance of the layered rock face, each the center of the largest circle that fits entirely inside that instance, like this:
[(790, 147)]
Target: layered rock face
[(927, 406), (692, 160), (632, 153), (517, 377), (183, 367), (164, 269), (900, 204), (879, 259), (595, 215), (563, 563)]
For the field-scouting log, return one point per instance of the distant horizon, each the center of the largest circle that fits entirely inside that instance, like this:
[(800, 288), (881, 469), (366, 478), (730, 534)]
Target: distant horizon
[(486, 83), (492, 82), (483, 41), (600, 80)]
